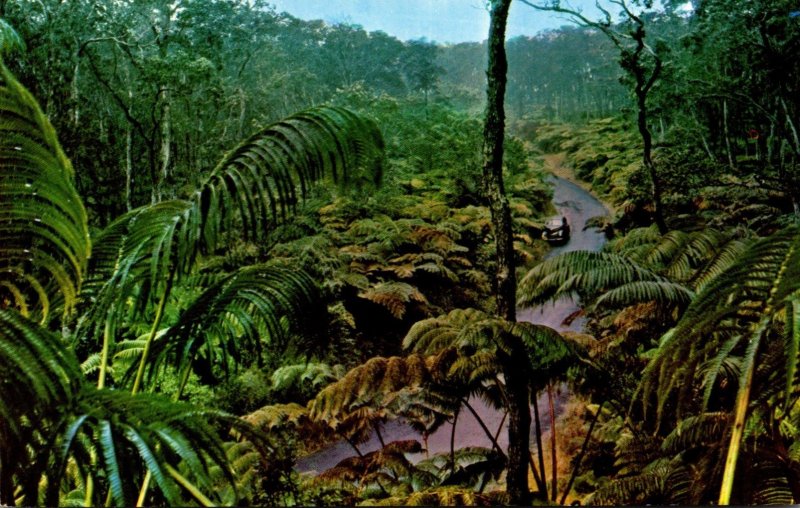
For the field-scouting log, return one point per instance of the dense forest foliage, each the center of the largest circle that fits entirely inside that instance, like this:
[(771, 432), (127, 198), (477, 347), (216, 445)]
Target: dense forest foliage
[(230, 238)]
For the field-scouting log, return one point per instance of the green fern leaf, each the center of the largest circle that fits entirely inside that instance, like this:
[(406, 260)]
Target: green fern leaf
[(44, 236)]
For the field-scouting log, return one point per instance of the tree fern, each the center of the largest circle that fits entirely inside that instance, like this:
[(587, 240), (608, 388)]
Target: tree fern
[(393, 296), (472, 330), (733, 312), (365, 384), (640, 267)]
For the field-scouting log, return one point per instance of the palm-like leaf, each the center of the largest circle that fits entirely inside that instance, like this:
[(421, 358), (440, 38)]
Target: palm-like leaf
[(734, 313), (476, 334), (38, 380), (232, 321), (735, 307), (260, 177), (44, 238), (586, 274), (49, 418), (134, 434), (641, 267)]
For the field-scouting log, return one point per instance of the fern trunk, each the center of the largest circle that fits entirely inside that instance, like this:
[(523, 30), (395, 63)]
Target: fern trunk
[(519, 429)]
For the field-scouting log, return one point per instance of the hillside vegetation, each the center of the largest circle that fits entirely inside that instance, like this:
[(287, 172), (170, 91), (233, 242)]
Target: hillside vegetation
[(230, 238)]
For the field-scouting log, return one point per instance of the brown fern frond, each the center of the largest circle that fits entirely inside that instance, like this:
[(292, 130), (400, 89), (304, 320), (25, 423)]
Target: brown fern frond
[(393, 296)]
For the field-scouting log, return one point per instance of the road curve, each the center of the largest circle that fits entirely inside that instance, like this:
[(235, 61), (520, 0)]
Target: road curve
[(577, 205)]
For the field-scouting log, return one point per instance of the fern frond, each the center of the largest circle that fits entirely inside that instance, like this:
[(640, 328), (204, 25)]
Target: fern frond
[(313, 374), (583, 272), (696, 431), (44, 234), (393, 296), (231, 321), (38, 379), (632, 490), (662, 292), (740, 302), (363, 384)]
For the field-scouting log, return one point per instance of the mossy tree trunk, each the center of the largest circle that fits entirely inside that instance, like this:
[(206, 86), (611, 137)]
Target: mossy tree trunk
[(514, 364)]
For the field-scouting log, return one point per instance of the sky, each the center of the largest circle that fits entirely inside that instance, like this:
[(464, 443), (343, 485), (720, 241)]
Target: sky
[(443, 21)]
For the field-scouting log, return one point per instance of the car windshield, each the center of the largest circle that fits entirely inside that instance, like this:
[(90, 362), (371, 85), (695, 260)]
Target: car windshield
[(554, 223)]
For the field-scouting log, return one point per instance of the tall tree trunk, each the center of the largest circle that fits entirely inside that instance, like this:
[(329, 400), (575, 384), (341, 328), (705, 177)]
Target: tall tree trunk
[(75, 94), (129, 158), (514, 364), (728, 150), (493, 136), (539, 449), (643, 85), (553, 454), (165, 152)]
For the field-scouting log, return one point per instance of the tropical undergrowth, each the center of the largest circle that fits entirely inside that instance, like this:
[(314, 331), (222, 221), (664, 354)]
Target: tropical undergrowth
[(694, 339)]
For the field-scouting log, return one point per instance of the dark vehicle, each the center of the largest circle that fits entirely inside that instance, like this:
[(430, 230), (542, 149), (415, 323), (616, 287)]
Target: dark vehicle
[(556, 230)]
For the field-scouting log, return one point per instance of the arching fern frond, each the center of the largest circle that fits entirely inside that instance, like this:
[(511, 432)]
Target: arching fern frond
[(231, 322), (581, 272), (366, 384), (482, 340), (309, 374), (39, 380), (251, 190), (738, 305), (696, 431), (662, 292), (637, 489), (258, 180), (146, 432), (733, 314), (10, 40), (44, 235)]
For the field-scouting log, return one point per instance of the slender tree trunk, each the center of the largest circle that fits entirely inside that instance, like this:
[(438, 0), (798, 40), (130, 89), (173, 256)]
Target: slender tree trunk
[(493, 137), (728, 149), (74, 93), (380, 436), (581, 453), (519, 428), (453, 440), (128, 167), (129, 156), (553, 456), (483, 426), (165, 153), (6, 481), (515, 364), (647, 159), (539, 450)]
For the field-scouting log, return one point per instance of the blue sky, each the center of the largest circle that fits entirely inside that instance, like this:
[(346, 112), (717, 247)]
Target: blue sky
[(437, 20)]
